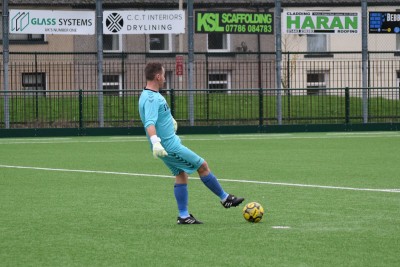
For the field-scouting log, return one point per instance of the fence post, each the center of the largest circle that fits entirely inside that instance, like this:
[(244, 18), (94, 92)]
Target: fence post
[(260, 107), (99, 35), (36, 90), (6, 53), (190, 60), (347, 105), (80, 110), (288, 85), (278, 63)]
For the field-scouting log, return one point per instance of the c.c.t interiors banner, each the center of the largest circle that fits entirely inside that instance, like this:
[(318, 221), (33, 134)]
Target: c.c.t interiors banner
[(143, 22), (320, 22)]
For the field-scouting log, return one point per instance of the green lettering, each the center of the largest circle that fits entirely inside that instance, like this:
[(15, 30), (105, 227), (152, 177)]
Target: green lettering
[(351, 23), (308, 23), (290, 22), (208, 22), (226, 18), (267, 18), (336, 23), (202, 24), (322, 23)]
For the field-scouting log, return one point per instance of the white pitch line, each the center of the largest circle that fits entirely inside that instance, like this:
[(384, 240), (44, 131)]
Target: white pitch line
[(315, 186), (225, 180), (360, 133), (36, 139), (280, 227), (247, 137), (39, 141), (85, 171)]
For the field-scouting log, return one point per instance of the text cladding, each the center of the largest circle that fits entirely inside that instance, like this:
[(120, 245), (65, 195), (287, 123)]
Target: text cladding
[(317, 22)]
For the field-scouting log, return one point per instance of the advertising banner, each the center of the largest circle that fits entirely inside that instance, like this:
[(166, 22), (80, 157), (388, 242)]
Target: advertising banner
[(384, 22), (318, 22), (52, 22), (234, 22), (144, 22)]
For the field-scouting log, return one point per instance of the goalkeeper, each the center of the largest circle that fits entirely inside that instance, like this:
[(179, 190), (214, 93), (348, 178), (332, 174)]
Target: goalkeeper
[(160, 128)]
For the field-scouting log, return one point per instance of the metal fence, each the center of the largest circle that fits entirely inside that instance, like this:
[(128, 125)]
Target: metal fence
[(79, 108), (74, 71), (230, 89)]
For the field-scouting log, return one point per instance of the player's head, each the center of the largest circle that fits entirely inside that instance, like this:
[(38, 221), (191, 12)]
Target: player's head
[(152, 69), (155, 72)]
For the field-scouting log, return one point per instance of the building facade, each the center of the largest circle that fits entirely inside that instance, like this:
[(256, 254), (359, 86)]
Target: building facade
[(223, 62)]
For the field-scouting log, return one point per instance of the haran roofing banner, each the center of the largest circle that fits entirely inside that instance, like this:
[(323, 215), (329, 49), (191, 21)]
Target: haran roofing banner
[(384, 22), (144, 22), (52, 22), (234, 22), (318, 22)]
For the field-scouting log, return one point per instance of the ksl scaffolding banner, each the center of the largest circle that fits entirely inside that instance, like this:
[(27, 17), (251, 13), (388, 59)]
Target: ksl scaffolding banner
[(52, 22), (144, 22), (318, 22), (234, 22)]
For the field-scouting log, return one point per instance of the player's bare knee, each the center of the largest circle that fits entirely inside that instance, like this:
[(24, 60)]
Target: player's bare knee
[(181, 178), (203, 170)]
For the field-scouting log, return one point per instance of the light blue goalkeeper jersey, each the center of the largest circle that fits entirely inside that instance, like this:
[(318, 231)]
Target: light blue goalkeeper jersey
[(154, 110)]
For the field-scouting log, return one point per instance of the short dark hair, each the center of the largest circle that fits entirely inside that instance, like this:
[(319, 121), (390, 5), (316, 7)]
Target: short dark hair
[(152, 69)]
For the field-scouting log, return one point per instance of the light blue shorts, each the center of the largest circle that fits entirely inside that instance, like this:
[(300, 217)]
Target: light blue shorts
[(182, 159)]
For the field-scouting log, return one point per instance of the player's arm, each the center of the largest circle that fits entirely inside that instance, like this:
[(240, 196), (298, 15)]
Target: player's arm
[(158, 149)]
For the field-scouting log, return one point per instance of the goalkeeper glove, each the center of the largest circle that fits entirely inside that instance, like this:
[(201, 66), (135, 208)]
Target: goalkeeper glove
[(175, 124), (158, 149)]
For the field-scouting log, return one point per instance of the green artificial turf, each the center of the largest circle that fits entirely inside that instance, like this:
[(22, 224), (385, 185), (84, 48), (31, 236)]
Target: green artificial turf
[(331, 199)]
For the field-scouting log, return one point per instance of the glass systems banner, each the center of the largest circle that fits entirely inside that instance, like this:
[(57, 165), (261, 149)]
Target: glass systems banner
[(144, 22), (52, 22), (317, 22), (234, 22)]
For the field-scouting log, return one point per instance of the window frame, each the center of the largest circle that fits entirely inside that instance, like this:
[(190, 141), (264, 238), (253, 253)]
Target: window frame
[(228, 82), (112, 92), (227, 41), (35, 85), (325, 48), (169, 42), (119, 36), (317, 84)]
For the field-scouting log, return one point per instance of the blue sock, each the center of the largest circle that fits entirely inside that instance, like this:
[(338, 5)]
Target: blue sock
[(212, 183), (182, 199)]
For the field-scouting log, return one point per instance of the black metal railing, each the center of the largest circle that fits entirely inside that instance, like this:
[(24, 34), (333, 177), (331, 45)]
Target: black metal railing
[(79, 108)]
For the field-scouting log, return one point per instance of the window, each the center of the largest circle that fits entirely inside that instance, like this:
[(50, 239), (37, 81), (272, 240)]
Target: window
[(21, 38), (112, 85), (398, 79), (219, 82), (34, 82), (160, 43), (317, 43), (217, 42), (316, 82), (112, 43)]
